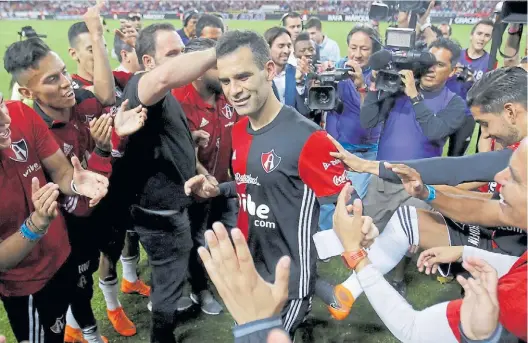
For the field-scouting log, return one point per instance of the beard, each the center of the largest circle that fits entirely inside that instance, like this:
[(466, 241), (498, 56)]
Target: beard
[(213, 86)]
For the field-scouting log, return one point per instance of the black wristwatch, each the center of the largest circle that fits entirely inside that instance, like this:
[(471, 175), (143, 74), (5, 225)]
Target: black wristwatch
[(417, 99)]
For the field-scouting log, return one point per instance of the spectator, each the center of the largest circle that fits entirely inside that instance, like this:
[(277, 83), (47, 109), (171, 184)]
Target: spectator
[(188, 31), (328, 48), (209, 26)]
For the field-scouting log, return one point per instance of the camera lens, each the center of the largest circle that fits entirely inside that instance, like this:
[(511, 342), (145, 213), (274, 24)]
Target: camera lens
[(323, 98)]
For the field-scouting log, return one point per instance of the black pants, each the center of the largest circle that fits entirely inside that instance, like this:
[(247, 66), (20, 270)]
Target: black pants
[(166, 237), (41, 317), (81, 302), (460, 140), (202, 216), (294, 313)]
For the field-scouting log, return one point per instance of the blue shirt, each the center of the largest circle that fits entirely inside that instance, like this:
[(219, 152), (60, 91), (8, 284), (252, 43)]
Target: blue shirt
[(183, 36)]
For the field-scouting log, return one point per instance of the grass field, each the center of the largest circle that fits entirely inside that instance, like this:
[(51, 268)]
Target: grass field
[(363, 325)]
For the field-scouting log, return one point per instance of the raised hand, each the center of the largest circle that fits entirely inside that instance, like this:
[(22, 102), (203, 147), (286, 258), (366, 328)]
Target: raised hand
[(201, 138), (407, 77), (351, 161), (45, 202), (247, 296), (127, 33), (411, 180), (201, 186), (93, 20), (127, 122), (101, 131), (479, 314), (429, 259), (356, 74), (88, 184)]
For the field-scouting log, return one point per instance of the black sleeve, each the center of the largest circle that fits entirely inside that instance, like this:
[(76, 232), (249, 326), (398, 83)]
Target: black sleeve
[(455, 170), (374, 111), (228, 189), (299, 103), (439, 125), (257, 331), (131, 94)]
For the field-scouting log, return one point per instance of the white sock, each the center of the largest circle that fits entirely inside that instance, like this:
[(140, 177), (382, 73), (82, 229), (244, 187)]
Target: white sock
[(109, 289), (130, 268), (92, 335), (70, 319), (389, 248)]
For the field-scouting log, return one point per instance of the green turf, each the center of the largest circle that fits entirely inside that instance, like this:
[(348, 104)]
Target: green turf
[(363, 325)]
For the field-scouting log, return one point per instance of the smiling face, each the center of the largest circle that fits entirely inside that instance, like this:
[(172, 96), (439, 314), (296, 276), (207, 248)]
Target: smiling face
[(281, 49), (360, 48), (246, 86), (480, 37), (513, 192), (49, 84), (507, 127), (440, 72), (5, 121)]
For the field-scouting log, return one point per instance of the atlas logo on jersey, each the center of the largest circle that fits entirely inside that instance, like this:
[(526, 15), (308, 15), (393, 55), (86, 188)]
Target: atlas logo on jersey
[(20, 150), (261, 211), (227, 111), (270, 161)]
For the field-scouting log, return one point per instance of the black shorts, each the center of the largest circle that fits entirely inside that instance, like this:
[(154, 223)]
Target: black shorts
[(294, 313), (41, 317), (84, 265)]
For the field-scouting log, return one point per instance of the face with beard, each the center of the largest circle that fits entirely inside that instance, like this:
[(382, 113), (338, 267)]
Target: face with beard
[(211, 82)]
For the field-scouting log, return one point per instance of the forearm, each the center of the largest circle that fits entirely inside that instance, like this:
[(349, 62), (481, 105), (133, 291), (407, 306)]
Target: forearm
[(228, 189), (471, 186), (256, 331), (436, 126), (103, 79), (156, 83), (63, 177), (13, 250), (405, 323), (501, 263), (370, 115), (462, 192), (494, 338)]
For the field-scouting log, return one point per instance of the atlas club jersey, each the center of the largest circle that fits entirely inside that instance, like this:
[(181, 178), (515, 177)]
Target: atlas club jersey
[(279, 172)]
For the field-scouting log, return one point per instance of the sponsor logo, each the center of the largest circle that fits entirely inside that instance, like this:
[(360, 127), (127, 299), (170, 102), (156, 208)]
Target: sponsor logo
[(331, 163), (474, 235), (246, 179), (227, 111), (339, 180), (204, 122), (58, 327), (259, 211), (466, 20), (270, 161), (32, 168), (67, 149), (348, 17), (20, 149), (154, 16), (83, 267)]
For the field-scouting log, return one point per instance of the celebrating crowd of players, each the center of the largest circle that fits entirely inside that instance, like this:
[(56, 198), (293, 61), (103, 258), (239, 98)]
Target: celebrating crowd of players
[(205, 125)]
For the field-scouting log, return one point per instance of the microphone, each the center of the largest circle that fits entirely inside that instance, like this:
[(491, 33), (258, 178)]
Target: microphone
[(380, 59)]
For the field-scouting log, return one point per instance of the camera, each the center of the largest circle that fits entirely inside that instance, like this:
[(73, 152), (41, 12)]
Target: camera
[(400, 53), (324, 95), (464, 74), (29, 32), (388, 9)]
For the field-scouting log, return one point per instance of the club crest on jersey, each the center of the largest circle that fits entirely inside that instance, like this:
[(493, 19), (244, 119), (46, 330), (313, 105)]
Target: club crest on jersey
[(20, 150), (270, 161), (227, 111), (89, 118)]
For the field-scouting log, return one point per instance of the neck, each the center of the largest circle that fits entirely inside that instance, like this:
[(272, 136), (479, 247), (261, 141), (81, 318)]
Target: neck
[(266, 114), (433, 89), (474, 54), (57, 114), (187, 33), (84, 74), (206, 95), (322, 40), (279, 68)]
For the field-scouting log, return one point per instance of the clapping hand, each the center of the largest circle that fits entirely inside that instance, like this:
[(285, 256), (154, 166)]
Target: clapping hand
[(89, 184), (130, 121), (101, 131), (45, 202)]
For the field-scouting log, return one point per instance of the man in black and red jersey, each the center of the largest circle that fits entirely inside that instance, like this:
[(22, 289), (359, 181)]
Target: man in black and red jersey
[(91, 75), (281, 164), (208, 112), (36, 281)]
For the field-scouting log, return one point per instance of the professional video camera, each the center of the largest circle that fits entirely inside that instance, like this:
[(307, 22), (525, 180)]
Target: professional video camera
[(29, 32), (387, 9), (464, 74), (399, 54), (323, 96)]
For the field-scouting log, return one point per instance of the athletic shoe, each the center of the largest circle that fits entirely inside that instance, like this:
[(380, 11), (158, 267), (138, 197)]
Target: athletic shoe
[(121, 323), (183, 303), (72, 335), (138, 287), (207, 302), (149, 306), (342, 304)]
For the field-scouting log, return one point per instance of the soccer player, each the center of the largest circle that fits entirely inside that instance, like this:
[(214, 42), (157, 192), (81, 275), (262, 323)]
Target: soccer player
[(36, 283), (281, 164)]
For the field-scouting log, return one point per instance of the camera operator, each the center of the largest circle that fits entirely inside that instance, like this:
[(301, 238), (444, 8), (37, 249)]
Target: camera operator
[(188, 31), (417, 123)]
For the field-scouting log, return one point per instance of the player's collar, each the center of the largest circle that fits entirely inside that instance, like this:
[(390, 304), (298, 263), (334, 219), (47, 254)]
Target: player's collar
[(47, 119)]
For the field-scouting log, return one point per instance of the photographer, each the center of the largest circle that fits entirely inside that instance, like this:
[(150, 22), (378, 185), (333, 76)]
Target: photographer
[(417, 123)]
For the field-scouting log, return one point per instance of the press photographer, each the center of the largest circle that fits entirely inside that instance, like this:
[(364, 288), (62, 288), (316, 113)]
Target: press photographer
[(419, 118)]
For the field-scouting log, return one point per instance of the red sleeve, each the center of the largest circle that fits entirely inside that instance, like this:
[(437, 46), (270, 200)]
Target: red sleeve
[(324, 174), (44, 142), (100, 165), (453, 316), (121, 78), (76, 205)]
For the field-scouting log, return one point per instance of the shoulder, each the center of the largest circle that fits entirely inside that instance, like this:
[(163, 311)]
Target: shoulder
[(82, 94), (298, 122)]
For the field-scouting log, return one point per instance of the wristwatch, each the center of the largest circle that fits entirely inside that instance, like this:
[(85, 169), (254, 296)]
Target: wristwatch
[(417, 99), (352, 258), (432, 194)]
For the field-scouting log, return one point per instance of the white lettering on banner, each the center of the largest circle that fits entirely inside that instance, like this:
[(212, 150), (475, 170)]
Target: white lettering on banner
[(466, 20), (331, 163), (260, 211), (348, 18), (154, 16), (339, 180), (335, 17), (32, 168), (242, 179)]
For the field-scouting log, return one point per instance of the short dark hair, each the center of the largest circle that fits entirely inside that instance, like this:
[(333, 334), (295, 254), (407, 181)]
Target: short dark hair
[(23, 55), (450, 28), (498, 87), (120, 45), (234, 40), (208, 20), (448, 44), (369, 31), (314, 22), (273, 33), (487, 22), (289, 15), (303, 36), (75, 30), (146, 41), (199, 44)]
